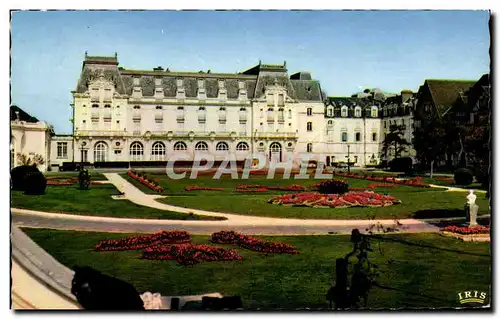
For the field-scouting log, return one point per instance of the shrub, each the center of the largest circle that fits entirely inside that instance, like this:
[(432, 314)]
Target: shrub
[(333, 186), (463, 176), (401, 164), (18, 174), (35, 183)]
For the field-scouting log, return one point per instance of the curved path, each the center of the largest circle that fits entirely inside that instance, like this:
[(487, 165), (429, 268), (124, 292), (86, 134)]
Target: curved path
[(458, 189), (247, 224)]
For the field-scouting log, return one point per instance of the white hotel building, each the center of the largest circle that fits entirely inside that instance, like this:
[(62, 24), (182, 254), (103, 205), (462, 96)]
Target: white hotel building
[(122, 115)]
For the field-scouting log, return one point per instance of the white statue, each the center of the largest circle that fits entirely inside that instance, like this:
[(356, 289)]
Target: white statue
[(471, 198), (472, 209)]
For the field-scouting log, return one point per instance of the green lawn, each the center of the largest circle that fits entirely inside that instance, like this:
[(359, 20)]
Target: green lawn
[(96, 201), (417, 270), (417, 202)]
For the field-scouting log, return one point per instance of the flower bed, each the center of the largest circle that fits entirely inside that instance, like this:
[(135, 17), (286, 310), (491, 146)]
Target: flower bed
[(140, 242), (199, 188), (55, 181), (350, 199), (417, 181), (154, 185), (293, 187), (189, 254), (252, 243), (467, 230)]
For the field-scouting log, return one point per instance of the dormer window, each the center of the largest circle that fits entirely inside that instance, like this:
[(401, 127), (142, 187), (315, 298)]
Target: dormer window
[(357, 111), (374, 112), (281, 100), (329, 111), (344, 111)]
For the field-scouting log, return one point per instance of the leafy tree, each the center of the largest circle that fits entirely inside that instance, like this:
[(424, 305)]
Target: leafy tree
[(395, 139), (429, 142), (35, 160)]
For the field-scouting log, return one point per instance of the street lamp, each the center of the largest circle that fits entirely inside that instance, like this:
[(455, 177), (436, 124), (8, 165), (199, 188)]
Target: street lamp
[(348, 158)]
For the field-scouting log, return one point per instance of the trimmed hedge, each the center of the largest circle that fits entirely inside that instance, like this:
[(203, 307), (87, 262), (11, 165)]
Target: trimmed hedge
[(463, 176), (333, 186), (18, 175), (401, 164), (35, 183)]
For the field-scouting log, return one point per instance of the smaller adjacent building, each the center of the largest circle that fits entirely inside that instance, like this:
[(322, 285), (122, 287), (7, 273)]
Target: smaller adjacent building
[(29, 137), (61, 151)]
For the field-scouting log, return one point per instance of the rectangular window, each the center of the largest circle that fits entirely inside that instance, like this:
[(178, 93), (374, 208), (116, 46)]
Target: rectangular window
[(281, 100), (374, 137), (358, 136), (355, 159), (344, 136), (309, 147), (309, 111), (309, 126), (62, 149)]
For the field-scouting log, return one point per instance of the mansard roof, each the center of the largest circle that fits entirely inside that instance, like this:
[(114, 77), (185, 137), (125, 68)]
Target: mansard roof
[(347, 101), (254, 80)]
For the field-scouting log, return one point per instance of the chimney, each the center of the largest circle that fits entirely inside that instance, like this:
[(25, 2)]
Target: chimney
[(406, 95)]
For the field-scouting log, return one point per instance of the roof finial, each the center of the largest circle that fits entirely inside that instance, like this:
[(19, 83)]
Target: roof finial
[(284, 64), (85, 53), (260, 62), (116, 55)]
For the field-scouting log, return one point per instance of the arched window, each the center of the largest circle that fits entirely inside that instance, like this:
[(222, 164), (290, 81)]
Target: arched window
[(222, 146), (201, 146), (309, 111), (309, 147), (275, 147), (158, 151), (242, 146), (100, 152), (289, 114), (136, 151), (344, 111), (374, 111), (180, 146), (357, 111), (281, 114)]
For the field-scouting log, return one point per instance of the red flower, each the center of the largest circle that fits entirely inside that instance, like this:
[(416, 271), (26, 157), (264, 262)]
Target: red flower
[(466, 230), (252, 243)]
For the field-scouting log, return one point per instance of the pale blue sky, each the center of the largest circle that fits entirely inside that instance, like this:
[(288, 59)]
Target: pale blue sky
[(344, 50)]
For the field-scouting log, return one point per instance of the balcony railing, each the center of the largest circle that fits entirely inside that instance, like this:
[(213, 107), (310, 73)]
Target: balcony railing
[(276, 135), (99, 133)]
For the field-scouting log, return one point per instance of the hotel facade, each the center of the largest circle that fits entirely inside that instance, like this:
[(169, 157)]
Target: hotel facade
[(121, 115)]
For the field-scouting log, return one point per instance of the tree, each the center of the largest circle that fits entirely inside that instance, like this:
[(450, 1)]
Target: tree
[(429, 142), (395, 139)]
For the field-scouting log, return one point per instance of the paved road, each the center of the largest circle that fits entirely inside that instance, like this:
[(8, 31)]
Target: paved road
[(196, 227)]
